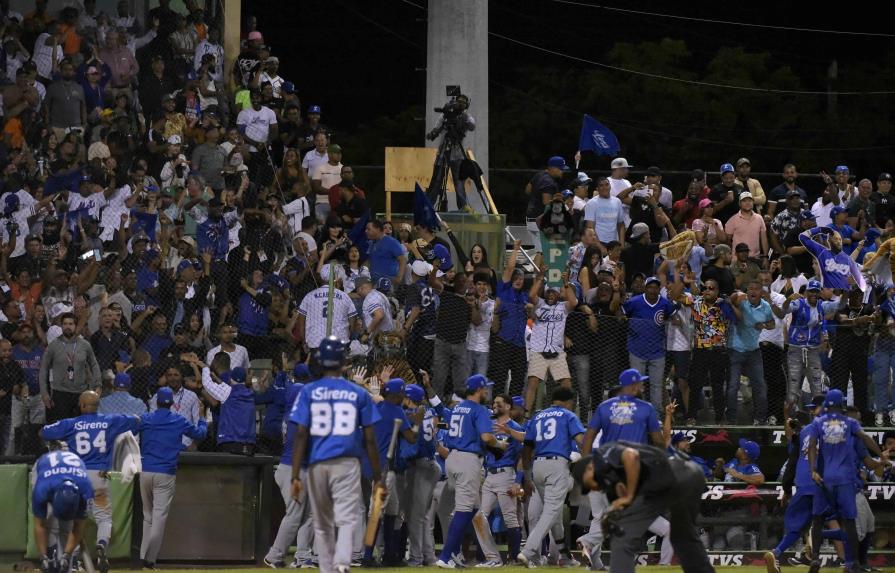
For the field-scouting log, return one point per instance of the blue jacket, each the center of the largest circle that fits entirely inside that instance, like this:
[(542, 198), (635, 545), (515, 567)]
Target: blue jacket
[(160, 439), (237, 420)]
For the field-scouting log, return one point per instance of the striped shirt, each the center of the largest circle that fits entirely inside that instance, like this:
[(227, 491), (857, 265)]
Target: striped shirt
[(549, 328), (314, 308)]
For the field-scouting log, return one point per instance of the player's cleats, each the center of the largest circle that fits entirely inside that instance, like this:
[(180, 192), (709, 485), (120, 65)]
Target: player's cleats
[(102, 560), (148, 565), (449, 564), (568, 561), (798, 561), (523, 558), (490, 564), (770, 561), (585, 553), (343, 569), (814, 567), (274, 564), (64, 565)]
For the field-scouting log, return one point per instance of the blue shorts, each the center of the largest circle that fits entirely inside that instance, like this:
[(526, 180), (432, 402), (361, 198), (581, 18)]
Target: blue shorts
[(839, 499), (798, 512)]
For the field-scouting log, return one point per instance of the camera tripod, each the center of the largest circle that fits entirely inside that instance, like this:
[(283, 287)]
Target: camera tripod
[(461, 169)]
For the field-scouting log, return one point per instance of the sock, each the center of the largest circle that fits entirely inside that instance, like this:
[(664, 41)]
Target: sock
[(388, 537), (864, 548), (545, 545), (817, 530), (788, 541), (456, 530), (840, 535), (514, 541)]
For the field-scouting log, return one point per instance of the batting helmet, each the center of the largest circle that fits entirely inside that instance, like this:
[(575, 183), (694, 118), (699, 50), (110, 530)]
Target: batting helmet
[(66, 500), (331, 352)]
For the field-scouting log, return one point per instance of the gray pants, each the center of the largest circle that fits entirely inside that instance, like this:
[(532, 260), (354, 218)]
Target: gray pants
[(296, 514), (866, 521), (464, 472), (449, 359), (478, 362), (655, 369), (334, 490), (803, 361), (494, 492), (31, 410), (157, 492), (100, 506), (553, 481), (422, 475), (440, 508)]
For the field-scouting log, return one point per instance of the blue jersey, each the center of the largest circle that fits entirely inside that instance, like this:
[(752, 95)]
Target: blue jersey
[(92, 436), (441, 438), (553, 432), (836, 435), (511, 455), (425, 442), (646, 326), (466, 424), (748, 469), (388, 413), (624, 418), (30, 363), (52, 469), (161, 439), (333, 409), (289, 429), (803, 481), (835, 270), (424, 297)]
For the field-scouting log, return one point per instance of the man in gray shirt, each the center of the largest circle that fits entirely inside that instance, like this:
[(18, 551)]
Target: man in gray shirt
[(71, 360), (65, 107), (208, 159)]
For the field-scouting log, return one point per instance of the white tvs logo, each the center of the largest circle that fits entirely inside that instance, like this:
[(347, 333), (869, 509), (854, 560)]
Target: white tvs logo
[(599, 139)]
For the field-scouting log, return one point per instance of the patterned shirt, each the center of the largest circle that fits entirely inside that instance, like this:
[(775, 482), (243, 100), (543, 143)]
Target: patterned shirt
[(710, 324), (784, 222)]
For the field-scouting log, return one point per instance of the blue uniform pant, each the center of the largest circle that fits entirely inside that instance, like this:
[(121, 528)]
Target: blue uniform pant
[(837, 499), (796, 519)]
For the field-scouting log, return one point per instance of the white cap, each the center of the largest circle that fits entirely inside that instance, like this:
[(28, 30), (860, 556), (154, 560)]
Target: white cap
[(745, 195), (639, 229), (59, 309), (421, 268), (339, 271), (174, 139), (620, 162)]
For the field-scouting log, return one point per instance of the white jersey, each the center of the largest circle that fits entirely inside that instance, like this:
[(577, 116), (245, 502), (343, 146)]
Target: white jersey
[(111, 219), (375, 300), (679, 329), (239, 357), (616, 186), (314, 308), (549, 327), (20, 218), (93, 203), (775, 335), (478, 336)]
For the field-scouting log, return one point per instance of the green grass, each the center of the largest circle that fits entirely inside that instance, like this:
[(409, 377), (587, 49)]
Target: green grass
[(651, 569)]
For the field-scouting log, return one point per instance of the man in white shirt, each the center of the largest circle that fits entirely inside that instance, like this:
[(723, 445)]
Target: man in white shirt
[(377, 311), (257, 124), (479, 335), (46, 50), (239, 356), (605, 214), (654, 177), (317, 155), (771, 341), (271, 65), (582, 187), (211, 45), (186, 403), (323, 176), (618, 182)]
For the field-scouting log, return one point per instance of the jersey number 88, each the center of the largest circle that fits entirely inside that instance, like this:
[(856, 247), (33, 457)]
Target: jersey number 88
[(337, 419)]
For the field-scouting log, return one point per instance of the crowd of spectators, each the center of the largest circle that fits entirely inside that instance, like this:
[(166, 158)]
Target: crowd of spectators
[(155, 221)]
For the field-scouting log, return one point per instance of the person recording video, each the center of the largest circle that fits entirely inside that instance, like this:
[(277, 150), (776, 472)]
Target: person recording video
[(453, 126)]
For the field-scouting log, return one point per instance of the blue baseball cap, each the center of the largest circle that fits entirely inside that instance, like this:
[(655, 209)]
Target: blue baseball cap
[(726, 167), (238, 375), (871, 235), (10, 204), (631, 376), (394, 386), (66, 500), (813, 284), (807, 215), (441, 252), (566, 193), (678, 437), (842, 168), (415, 393), (184, 264), (164, 396), (477, 381), (384, 285), (836, 210), (122, 380), (124, 356), (834, 398), (151, 254), (751, 448), (518, 401), (301, 370), (558, 162), (651, 280), (313, 109), (288, 87)]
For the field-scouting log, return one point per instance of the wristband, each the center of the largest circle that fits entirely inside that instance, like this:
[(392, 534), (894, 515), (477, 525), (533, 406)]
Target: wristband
[(520, 476), (435, 401)]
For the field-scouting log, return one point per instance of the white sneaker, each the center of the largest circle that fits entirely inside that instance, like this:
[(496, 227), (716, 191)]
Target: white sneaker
[(585, 553), (449, 564), (526, 561), (879, 420), (490, 564), (343, 569)]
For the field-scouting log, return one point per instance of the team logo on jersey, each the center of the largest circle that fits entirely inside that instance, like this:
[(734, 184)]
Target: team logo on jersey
[(831, 266), (834, 431), (659, 317), (622, 412)]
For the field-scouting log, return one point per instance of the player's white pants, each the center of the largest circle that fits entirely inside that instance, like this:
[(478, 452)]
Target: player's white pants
[(440, 508), (422, 475), (157, 492), (553, 481), (494, 492), (100, 506), (334, 490), (296, 513), (594, 537)]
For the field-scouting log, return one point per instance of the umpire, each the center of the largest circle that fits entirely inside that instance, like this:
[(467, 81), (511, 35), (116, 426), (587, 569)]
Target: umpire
[(642, 482)]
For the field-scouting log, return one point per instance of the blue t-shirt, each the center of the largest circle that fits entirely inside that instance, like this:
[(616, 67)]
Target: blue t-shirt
[(744, 335), (92, 436), (553, 432), (155, 345), (746, 469), (253, 318), (52, 469), (383, 256), (803, 481), (161, 439), (147, 279), (624, 418), (30, 363), (510, 455), (511, 313), (835, 435), (646, 326), (466, 424), (333, 409), (388, 413)]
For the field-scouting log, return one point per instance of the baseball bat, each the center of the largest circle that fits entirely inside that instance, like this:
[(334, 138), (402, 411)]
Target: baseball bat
[(376, 508), (329, 299)]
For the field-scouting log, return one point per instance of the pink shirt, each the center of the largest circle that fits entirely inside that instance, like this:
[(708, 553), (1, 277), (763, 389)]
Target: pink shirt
[(747, 230)]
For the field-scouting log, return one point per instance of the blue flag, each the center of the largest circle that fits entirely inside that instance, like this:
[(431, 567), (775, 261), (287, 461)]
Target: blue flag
[(596, 137), (358, 235), (144, 223), (74, 215), (423, 211), (214, 236), (57, 183)]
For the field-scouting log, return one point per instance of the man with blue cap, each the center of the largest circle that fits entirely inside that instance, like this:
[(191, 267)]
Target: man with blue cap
[(726, 194), (236, 422), (833, 437), (850, 235), (161, 440), (63, 484), (276, 398), (120, 400), (541, 189)]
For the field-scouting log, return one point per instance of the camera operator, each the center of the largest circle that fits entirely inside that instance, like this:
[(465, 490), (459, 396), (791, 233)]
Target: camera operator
[(642, 482), (454, 124)]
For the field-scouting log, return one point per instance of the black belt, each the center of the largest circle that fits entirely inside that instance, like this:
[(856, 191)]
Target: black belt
[(499, 470), (550, 458)]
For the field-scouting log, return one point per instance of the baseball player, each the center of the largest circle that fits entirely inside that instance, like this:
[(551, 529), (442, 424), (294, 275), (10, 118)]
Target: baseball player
[(312, 313), (61, 482), (327, 414), (550, 437), (161, 440), (92, 436), (503, 482), (422, 475), (469, 431), (390, 409), (296, 510)]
